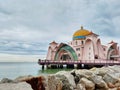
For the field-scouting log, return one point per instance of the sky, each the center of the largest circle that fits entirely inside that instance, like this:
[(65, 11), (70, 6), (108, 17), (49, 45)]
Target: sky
[(28, 26)]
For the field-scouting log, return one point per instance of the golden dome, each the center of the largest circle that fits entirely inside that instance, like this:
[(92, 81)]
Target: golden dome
[(80, 34)]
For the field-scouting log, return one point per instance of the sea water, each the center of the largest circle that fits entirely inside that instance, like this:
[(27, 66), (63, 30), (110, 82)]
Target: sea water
[(13, 70)]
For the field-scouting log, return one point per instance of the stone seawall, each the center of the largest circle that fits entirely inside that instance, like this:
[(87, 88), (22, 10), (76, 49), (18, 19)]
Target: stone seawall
[(105, 78)]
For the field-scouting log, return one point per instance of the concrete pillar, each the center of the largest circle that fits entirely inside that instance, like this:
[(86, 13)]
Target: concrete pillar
[(79, 66), (53, 66), (42, 67), (70, 66), (60, 66), (86, 66)]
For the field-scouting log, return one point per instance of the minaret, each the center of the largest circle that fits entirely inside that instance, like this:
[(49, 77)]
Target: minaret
[(52, 50)]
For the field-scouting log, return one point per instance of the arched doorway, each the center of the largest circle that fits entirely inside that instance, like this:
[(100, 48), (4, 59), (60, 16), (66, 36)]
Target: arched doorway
[(65, 56), (65, 52), (111, 52)]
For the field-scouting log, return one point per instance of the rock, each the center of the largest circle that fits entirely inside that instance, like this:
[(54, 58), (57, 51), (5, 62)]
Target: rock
[(113, 89), (110, 85), (84, 73), (54, 83), (115, 68), (99, 82), (6, 80), (89, 85), (15, 86), (65, 82), (37, 83), (117, 84), (69, 77), (23, 78), (80, 87), (101, 71), (111, 77), (118, 88)]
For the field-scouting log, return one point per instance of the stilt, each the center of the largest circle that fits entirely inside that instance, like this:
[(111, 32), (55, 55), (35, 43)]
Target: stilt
[(53, 66), (61, 66), (70, 66), (79, 66), (86, 66), (98, 66), (42, 67)]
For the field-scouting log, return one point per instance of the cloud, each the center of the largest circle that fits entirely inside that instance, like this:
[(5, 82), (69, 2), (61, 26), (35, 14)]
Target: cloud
[(22, 48), (27, 26)]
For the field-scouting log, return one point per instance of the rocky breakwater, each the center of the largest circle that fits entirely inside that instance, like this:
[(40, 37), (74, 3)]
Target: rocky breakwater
[(105, 78)]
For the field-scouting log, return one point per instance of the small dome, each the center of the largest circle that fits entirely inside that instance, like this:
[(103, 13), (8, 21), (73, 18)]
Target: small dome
[(80, 34)]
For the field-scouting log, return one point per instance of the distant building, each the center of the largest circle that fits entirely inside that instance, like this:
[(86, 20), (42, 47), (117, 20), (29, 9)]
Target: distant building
[(85, 45)]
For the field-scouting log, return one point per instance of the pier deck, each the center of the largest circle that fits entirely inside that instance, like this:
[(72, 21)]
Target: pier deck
[(85, 62)]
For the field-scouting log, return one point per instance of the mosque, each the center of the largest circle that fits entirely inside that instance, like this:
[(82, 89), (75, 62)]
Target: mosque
[(85, 45)]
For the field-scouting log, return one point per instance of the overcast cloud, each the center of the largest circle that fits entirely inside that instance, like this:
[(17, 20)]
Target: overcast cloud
[(28, 26)]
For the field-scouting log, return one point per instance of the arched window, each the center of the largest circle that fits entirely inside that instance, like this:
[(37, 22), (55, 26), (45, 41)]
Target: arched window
[(89, 48), (76, 42), (77, 49), (82, 42), (78, 54), (104, 49), (96, 56)]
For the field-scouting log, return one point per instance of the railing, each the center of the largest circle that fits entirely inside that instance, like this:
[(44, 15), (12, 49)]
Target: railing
[(95, 62)]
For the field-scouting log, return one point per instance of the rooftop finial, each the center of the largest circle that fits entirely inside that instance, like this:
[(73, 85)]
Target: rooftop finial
[(81, 27)]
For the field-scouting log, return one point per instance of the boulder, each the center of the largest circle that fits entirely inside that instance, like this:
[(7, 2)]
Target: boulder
[(6, 80), (110, 85), (84, 73), (80, 87), (54, 83), (101, 71), (89, 85), (114, 69), (23, 78), (113, 89), (111, 77), (37, 83), (99, 82), (117, 84), (118, 88), (69, 77), (15, 86), (66, 85)]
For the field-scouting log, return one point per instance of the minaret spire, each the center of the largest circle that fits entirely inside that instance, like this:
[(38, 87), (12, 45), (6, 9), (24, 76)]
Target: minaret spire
[(81, 27)]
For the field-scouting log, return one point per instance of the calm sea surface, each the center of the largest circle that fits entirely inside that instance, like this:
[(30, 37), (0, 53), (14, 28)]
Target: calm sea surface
[(13, 70)]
